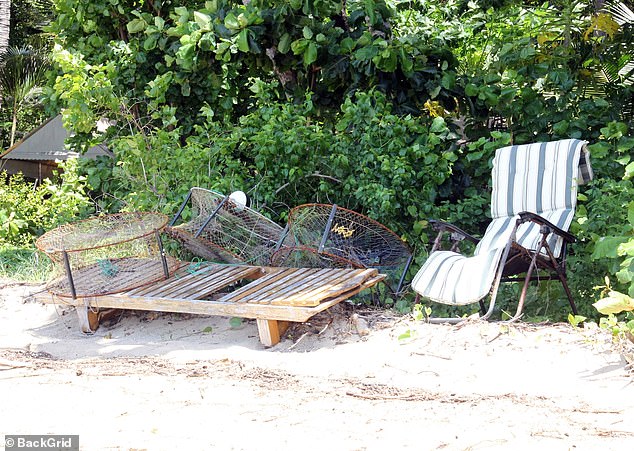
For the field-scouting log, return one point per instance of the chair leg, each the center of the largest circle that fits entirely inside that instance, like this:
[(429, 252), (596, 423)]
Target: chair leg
[(527, 280), (560, 268), (564, 282), (520, 304), (498, 276)]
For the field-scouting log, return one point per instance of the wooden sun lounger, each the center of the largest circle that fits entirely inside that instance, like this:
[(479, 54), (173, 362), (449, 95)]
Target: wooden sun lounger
[(273, 297)]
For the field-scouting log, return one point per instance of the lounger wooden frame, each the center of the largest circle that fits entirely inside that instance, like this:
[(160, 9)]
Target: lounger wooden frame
[(272, 296)]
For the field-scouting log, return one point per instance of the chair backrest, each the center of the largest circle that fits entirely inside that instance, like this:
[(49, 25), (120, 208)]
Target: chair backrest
[(541, 178)]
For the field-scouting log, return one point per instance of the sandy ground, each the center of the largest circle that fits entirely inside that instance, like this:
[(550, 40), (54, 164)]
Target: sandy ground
[(165, 382)]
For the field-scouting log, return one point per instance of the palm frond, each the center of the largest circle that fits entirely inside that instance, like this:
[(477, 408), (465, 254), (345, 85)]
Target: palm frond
[(627, 73), (620, 12)]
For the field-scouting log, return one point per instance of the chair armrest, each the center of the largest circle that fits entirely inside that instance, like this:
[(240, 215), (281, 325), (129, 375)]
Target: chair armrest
[(441, 226), (526, 216)]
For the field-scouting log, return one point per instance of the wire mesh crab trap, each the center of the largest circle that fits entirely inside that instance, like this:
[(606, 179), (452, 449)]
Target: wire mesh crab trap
[(107, 254), (331, 236), (223, 229)]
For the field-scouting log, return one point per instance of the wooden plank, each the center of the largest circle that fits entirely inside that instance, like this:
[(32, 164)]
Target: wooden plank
[(259, 290), (172, 282), (216, 284), (270, 279), (326, 304), (207, 283), (327, 289), (208, 286), (270, 331), (182, 274), (193, 306), (326, 276), (199, 278)]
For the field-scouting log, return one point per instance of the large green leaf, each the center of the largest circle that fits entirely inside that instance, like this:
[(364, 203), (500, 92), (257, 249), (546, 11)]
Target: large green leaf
[(243, 40), (136, 26), (203, 21), (310, 54), (615, 302)]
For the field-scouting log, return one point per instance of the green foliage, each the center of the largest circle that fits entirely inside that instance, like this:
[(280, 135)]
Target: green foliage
[(619, 309), (24, 263), (619, 327), (388, 166), (605, 216), (393, 109), (186, 55), (22, 73), (27, 211), (28, 18)]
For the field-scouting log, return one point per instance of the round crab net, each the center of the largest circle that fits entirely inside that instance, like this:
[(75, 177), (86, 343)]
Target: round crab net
[(328, 235), (308, 257), (107, 254), (223, 229)]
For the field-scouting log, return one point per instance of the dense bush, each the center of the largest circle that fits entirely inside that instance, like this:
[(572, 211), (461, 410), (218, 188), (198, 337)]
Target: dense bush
[(27, 211), (390, 108)]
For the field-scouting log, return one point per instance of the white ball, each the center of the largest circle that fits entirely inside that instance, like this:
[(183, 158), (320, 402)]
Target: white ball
[(239, 199)]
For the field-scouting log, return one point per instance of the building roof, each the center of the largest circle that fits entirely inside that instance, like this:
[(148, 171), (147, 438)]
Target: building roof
[(47, 143)]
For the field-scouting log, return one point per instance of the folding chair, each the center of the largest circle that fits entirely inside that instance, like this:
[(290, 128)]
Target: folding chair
[(532, 205)]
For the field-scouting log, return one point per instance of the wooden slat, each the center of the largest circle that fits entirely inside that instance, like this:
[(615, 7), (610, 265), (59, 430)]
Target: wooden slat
[(313, 276), (314, 295), (218, 281), (197, 283), (260, 288), (182, 274), (326, 304), (194, 306), (306, 288), (320, 278), (271, 279)]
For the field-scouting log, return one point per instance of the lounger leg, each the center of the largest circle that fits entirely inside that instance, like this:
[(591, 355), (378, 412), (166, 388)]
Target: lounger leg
[(520, 304), (88, 319), (270, 331)]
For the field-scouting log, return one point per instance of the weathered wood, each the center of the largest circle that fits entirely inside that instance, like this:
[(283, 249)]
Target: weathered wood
[(208, 283), (333, 286), (269, 280), (264, 295), (270, 331), (88, 319), (194, 306), (181, 276), (283, 291), (256, 290)]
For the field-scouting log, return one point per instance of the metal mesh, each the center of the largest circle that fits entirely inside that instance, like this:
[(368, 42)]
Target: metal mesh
[(307, 257), (224, 231), (106, 254), (342, 235)]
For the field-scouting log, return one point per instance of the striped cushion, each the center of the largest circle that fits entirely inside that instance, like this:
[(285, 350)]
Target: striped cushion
[(541, 178), (451, 278), (535, 177)]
